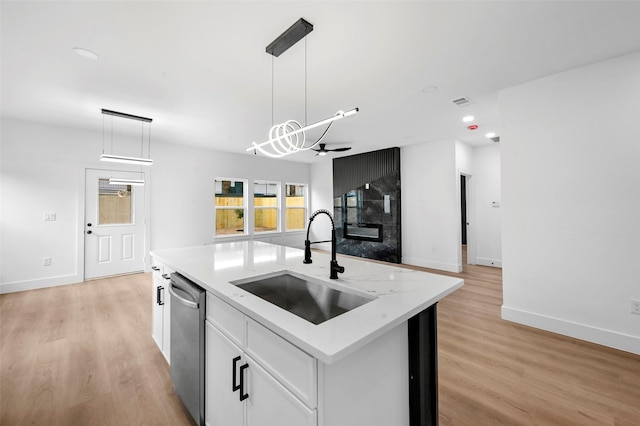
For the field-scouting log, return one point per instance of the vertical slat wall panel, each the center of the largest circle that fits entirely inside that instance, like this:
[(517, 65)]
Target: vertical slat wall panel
[(380, 169), (356, 170)]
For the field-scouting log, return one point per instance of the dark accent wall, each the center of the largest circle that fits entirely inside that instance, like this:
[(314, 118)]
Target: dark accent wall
[(361, 183)]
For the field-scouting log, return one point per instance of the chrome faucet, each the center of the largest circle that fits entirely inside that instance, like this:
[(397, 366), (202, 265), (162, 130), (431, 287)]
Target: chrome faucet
[(334, 267)]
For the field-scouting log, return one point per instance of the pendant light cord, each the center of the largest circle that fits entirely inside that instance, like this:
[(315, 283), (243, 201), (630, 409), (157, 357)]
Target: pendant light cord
[(103, 133), (272, 83), (141, 139), (305, 81)]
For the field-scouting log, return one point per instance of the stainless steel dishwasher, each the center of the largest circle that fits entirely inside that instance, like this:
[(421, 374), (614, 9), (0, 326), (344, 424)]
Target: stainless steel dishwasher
[(187, 343)]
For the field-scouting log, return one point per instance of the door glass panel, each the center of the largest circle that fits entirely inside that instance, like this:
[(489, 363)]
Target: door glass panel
[(114, 204)]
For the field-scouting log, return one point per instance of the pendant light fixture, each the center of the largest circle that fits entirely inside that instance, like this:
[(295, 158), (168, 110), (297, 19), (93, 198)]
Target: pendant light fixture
[(126, 159), (113, 158), (132, 182), (289, 137)]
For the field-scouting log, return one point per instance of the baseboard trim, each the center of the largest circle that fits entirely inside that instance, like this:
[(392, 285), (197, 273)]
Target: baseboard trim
[(485, 261), (612, 339), (39, 283), (425, 263)]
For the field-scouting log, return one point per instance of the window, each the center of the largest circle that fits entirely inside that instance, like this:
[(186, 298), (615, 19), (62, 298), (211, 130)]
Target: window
[(230, 207), (296, 207), (266, 205)]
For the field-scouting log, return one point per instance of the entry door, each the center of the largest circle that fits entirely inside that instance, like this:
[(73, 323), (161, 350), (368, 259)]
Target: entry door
[(114, 225)]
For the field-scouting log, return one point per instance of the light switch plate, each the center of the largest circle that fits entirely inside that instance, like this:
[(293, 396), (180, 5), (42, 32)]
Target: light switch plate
[(50, 216)]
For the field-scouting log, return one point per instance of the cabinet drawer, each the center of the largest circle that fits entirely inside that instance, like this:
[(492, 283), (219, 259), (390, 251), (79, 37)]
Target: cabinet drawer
[(157, 268), (270, 403), (296, 369), (226, 318)]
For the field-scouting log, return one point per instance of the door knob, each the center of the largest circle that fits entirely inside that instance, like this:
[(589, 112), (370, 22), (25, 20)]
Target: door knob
[(88, 224), (89, 232)]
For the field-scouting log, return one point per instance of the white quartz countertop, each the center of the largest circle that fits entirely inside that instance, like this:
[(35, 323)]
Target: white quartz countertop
[(399, 293)]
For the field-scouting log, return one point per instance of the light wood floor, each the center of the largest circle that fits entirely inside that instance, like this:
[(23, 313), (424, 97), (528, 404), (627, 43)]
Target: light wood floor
[(495, 372), (83, 355)]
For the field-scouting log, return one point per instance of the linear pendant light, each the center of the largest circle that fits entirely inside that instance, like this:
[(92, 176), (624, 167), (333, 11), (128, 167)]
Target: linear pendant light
[(289, 137), (132, 182), (127, 160), (121, 158)]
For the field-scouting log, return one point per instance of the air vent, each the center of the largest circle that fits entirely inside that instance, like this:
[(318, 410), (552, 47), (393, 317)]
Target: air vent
[(495, 138), (464, 101)]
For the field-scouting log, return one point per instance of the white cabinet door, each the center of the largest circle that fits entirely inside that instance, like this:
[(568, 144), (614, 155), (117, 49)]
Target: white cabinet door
[(222, 404), (269, 403), (166, 314), (159, 293), (161, 325)]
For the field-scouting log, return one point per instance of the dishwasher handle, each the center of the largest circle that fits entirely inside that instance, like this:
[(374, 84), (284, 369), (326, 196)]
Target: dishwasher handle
[(181, 299)]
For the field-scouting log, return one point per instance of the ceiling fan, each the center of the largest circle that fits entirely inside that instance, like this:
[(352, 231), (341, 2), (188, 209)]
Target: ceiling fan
[(324, 151)]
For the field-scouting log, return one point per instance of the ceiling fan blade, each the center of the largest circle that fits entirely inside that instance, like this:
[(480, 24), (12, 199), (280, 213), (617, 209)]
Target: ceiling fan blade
[(340, 149)]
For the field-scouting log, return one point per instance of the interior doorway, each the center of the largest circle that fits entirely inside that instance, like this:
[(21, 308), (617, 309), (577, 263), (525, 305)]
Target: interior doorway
[(467, 241), (115, 225), (463, 208)]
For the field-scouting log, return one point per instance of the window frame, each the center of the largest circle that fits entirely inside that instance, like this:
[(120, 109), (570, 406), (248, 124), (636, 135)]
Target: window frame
[(277, 207), (245, 208), (304, 207)]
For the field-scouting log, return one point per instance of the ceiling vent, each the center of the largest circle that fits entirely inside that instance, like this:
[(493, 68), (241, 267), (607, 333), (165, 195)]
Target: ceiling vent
[(495, 138), (463, 101)]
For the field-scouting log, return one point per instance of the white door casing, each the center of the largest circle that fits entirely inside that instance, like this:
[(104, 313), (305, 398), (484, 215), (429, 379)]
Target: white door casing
[(114, 228)]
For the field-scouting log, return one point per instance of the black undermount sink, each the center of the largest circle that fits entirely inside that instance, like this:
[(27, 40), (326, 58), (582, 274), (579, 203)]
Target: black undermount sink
[(306, 297)]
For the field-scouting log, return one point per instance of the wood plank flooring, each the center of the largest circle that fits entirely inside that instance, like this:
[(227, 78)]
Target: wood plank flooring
[(495, 372), (83, 354)]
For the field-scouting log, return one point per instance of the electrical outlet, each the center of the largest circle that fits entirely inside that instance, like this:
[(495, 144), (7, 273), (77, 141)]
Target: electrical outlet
[(46, 261), (635, 306)]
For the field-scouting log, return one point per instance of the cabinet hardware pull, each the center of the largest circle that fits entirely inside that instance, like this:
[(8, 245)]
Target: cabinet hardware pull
[(166, 276), (155, 268), (235, 387), (158, 295), (243, 395)]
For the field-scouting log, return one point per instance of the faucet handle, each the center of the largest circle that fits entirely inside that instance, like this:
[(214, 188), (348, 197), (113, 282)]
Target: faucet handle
[(307, 252), (335, 269)]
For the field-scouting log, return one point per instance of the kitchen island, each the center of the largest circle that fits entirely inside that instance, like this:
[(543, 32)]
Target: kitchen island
[(375, 364)]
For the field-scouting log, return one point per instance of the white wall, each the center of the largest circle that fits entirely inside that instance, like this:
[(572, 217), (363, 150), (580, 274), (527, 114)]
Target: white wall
[(42, 170), (321, 198), (430, 180), (487, 216), (570, 203), (182, 192), (464, 158), (430, 206)]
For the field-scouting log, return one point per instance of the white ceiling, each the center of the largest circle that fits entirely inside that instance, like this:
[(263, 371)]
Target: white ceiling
[(200, 70)]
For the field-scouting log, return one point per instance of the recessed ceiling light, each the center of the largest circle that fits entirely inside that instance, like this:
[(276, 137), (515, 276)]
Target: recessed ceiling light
[(490, 135), (468, 118), (430, 89), (85, 53)]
